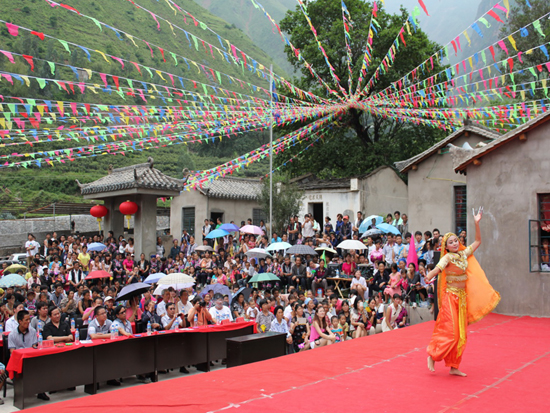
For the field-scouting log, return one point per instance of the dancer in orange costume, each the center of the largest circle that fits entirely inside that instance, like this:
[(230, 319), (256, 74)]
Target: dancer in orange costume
[(464, 297)]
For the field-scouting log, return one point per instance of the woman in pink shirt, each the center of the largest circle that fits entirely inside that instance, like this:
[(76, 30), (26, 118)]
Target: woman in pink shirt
[(348, 268), (128, 264)]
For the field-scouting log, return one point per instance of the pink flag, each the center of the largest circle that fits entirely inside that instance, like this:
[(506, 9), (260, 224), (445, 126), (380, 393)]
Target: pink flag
[(412, 257), (13, 29)]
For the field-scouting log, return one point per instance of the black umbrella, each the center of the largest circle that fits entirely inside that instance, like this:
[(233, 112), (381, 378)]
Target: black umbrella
[(244, 291), (132, 290), (301, 250)]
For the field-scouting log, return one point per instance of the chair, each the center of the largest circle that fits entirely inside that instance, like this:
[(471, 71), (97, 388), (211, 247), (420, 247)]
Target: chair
[(83, 331), (79, 322)]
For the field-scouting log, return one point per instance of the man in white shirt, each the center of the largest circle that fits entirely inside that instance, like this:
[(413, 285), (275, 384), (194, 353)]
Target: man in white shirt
[(171, 321), (32, 247), (12, 323), (184, 306), (389, 251), (307, 227), (220, 312), (162, 306), (206, 229)]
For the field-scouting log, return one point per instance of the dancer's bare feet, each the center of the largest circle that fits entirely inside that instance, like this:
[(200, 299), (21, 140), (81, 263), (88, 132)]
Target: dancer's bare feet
[(457, 372), (431, 364)]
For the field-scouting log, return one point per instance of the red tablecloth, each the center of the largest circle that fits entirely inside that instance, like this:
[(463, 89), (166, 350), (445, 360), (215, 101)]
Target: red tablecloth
[(15, 365)]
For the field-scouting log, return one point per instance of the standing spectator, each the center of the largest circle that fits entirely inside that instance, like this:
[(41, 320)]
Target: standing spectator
[(299, 274), (160, 247), (32, 248), (357, 224), (345, 229)]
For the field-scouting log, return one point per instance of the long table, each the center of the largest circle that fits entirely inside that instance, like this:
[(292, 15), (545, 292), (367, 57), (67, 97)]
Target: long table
[(89, 364)]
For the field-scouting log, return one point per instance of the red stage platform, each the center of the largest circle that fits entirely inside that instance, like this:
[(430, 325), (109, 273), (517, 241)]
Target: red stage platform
[(507, 360)]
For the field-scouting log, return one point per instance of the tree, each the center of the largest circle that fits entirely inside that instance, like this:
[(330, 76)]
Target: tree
[(370, 141), (287, 198)]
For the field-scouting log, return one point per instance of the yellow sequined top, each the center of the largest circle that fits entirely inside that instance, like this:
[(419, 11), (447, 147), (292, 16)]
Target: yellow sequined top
[(455, 264)]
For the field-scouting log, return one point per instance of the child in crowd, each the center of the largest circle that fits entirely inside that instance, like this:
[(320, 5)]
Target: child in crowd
[(336, 329), (343, 325)]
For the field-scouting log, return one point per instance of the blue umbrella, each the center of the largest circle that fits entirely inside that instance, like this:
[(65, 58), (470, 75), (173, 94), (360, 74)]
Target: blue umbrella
[(216, 289), (12, 280), (153, 278), (229, 227), (388, 229), (217, 233), (131, 290), (96, 246), (367, 222)]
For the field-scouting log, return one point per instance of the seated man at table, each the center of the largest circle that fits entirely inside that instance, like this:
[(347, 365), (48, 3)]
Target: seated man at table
[(220, 312), (11, 323), (171, 321), (57, 330), (24, 336), (123, 326), (99, 327), (199, 309), (183, 306), (150, 315), (41, 318)]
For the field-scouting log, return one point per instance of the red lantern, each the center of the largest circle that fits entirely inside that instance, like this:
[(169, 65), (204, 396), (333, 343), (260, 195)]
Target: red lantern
[(128, 208), (99, 211)]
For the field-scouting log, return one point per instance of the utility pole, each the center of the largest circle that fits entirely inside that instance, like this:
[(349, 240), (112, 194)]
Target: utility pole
[(271, 154)]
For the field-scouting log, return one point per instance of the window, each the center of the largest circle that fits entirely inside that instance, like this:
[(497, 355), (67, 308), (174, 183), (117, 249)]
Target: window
[(188, 220), (460, 208), (258, 215), (539, 237)]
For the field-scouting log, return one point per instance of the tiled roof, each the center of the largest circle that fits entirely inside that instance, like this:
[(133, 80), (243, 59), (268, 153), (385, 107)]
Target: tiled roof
[(404, 166), (142, 176), (233, 188), (309, 182), (460, 162)]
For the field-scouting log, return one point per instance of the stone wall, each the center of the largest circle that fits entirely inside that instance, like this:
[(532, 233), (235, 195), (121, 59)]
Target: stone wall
[(13, 233)]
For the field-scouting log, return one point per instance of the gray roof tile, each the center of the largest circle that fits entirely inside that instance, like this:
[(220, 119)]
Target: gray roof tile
[(404, 166), (142, 176), (233, 188)]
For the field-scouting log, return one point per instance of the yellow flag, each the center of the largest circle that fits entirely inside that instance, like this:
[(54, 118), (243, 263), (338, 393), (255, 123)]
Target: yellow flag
[(465, 33), (513, 42)]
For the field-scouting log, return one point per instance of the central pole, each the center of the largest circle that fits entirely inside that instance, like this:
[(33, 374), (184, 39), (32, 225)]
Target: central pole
[(271, 154)]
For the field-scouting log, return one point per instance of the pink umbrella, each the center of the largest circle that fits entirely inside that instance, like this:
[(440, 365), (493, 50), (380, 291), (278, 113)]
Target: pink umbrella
[(412, 257), (251, 229), (98, 274)]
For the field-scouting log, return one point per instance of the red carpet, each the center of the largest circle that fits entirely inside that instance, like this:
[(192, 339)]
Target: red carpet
[(506, 358)]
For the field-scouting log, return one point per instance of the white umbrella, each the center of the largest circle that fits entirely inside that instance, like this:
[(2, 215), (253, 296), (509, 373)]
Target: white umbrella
[(257, 253), (204, 248), (176, 287), (251, 229), (176, 278), (327, 249), (277, 246), (352, 244)]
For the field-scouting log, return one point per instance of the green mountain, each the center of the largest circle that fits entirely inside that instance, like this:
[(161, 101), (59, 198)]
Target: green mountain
[(252, 21), (46, 184)]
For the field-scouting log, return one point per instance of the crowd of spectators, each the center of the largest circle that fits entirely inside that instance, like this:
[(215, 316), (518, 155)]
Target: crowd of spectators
[(304, 304)]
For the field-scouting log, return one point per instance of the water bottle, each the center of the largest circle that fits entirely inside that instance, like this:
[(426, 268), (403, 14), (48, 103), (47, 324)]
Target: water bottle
[(76, 337), (40, 340), (72, 324), (39, 325), (1, 330), (113, 332), (196, 321), (337, 273), (218, 320), (319, 292), (148, 328)]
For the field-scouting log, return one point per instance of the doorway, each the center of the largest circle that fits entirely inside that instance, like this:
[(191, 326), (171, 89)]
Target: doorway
[(316, 209), (214, 216)]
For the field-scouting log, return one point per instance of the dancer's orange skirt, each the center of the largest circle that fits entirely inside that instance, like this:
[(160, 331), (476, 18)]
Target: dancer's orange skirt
[(449, 336)]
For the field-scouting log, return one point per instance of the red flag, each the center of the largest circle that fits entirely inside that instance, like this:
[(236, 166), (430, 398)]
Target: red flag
[(423, 7), (29, 61), (495, 16), (39, 34)]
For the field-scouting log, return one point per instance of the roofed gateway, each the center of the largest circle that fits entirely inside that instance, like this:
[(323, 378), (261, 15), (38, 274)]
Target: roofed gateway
[(142, 184)]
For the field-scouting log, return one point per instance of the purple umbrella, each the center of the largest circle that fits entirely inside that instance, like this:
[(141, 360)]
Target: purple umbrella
[(216, 289), (131, 290)]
